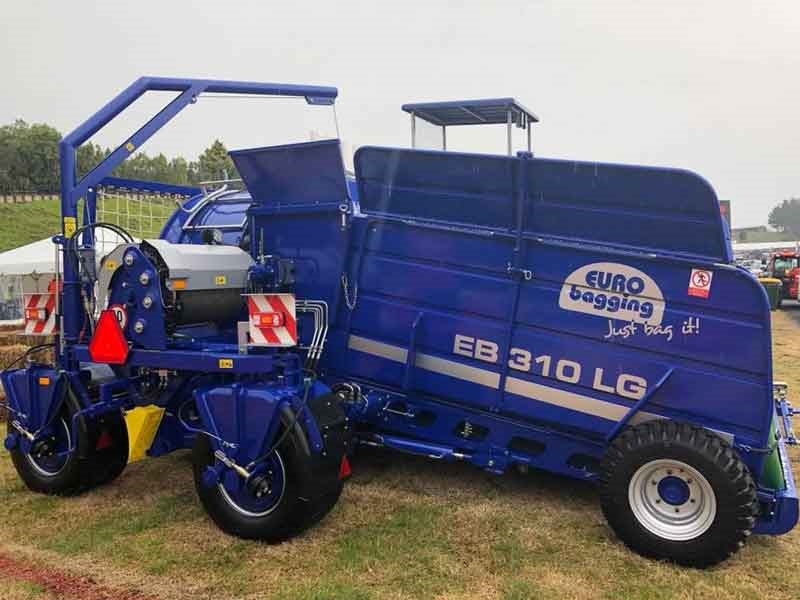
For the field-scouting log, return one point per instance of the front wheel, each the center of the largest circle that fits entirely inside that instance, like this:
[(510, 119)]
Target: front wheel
[(677, 492), (49, 468), (281, 503)]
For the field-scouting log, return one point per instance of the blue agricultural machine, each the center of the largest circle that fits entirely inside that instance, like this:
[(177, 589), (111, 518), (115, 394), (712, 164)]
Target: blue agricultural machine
[(503, 310)]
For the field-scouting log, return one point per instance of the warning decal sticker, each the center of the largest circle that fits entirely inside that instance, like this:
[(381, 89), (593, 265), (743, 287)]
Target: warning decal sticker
[(700, 283)]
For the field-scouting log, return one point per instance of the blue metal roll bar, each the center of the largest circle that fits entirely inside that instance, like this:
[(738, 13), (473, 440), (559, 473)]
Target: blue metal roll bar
[(72, 189)]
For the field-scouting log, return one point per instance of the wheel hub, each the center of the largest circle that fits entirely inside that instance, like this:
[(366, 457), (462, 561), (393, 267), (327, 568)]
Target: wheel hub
[(260, 494), (674, 490), (48, 456), (672, 499)]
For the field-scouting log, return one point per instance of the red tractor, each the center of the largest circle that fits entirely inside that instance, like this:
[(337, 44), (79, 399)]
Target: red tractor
[(785, 265)]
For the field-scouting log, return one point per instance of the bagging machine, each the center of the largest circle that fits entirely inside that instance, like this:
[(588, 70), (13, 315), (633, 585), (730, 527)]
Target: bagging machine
[(507, 311)]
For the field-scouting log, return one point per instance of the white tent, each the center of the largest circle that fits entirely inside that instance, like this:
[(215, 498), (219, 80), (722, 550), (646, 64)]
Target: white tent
[(37, 257), (751, 246), (31, 267)]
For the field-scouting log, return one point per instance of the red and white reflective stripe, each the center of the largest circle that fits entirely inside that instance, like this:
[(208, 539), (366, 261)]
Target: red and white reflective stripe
[(43, 307), (265, 309)]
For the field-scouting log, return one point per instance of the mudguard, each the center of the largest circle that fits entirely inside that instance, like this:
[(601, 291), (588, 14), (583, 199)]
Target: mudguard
[(35, 394), (245, 420)]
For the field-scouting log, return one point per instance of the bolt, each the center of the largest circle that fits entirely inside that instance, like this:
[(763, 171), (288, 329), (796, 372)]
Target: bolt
[(677, 510), (688, 481), (654, 482), (669, 472), (692, 500), (658, 500)]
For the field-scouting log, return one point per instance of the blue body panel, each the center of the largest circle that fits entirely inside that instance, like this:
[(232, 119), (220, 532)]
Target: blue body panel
[(550, 297)]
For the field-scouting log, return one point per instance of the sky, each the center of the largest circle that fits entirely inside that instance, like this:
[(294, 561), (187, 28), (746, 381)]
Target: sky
[(707, 85)]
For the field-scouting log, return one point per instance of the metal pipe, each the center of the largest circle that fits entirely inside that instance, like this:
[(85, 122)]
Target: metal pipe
[(413, 131), (529, 135), (444, 137), (508, 126)]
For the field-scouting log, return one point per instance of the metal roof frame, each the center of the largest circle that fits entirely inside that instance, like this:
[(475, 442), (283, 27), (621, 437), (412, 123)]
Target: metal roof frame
[(485, 111)]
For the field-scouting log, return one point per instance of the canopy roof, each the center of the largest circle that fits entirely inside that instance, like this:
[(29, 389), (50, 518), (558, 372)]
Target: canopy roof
[(486, 111), (39, 257)]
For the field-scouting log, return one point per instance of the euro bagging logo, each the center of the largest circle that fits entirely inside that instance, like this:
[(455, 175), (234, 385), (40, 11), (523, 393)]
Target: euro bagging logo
[(613, 291)]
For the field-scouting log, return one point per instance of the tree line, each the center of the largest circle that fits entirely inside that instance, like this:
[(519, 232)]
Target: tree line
[(786, 216), (29, 161)]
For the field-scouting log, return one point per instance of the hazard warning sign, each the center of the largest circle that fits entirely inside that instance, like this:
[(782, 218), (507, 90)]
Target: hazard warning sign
[(700, 283)]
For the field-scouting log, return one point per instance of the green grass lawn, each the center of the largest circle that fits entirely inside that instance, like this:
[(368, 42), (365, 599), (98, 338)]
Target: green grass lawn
[(23, 223)]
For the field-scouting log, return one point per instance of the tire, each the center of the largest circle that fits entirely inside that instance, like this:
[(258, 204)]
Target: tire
[(301, 502), (109, 443), (53, 475), (677, 492)]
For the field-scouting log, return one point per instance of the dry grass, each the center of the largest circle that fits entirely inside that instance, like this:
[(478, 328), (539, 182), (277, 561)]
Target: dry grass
[(405, 528)]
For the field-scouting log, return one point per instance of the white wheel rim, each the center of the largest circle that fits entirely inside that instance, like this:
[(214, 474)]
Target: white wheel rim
[(248, 513), (45, 472), (672, 500)]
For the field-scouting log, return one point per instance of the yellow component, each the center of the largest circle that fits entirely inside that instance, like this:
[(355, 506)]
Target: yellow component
[(178, 284), (142, 423), (70, 225), (111, 265), (225, 363), (220, 280), (44, 381), (130, 147)]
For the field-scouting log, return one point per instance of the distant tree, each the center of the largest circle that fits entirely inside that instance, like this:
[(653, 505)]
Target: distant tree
[(89, 156), (215, 163), (786, 216), (29, 161), (28, 157), (179, 170)]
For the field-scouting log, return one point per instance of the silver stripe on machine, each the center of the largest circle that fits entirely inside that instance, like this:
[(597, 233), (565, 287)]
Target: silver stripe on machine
[(458, 370), (376, 348), (491, 379), (428, 362), (573, 401)]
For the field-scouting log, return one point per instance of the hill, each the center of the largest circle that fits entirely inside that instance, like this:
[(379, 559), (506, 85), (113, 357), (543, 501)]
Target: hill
[(27, 222)]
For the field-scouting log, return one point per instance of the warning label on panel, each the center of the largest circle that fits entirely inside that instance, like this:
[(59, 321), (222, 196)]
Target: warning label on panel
[(700, 283)]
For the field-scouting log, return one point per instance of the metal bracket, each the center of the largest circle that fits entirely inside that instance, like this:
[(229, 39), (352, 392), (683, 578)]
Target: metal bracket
[(638, 406), (526, 274)]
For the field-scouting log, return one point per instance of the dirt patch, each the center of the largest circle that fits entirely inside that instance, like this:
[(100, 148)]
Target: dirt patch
[(62, 585)]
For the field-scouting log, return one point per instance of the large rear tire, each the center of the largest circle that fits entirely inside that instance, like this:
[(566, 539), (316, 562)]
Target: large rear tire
[(677, 492)]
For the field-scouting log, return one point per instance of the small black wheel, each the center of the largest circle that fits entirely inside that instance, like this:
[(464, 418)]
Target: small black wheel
[(46, 469), (279, 505), (677, 492), (109, 442)]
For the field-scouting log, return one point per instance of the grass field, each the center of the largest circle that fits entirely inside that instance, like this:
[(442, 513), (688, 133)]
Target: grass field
[(405, 528), (28, 222)]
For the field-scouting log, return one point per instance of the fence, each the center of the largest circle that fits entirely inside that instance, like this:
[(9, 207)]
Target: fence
[(23, 197)]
